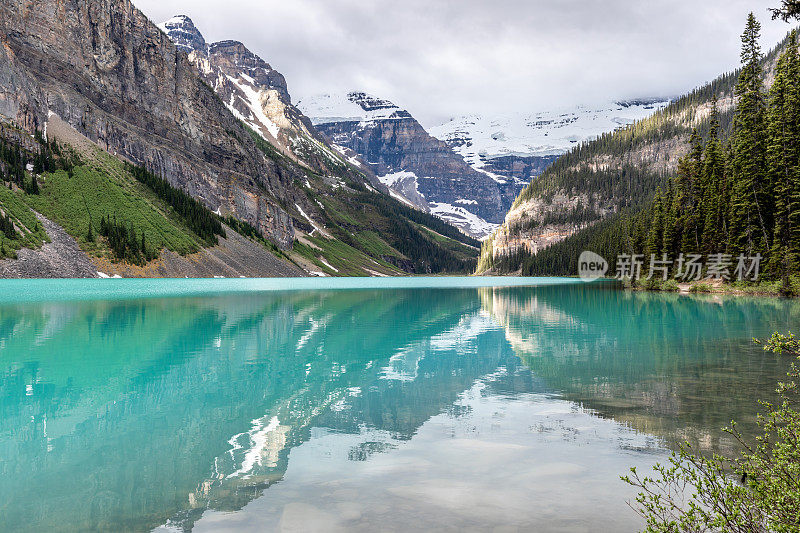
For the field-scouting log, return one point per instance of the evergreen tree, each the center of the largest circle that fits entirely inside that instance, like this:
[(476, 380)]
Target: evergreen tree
[(713, 196), (7, 227), (655, 236), (682, 206), (790, 9), (748, 195), (690, 208), (783, 158), (670, 222)]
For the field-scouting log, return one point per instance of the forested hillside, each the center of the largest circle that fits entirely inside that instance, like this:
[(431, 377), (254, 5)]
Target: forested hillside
[(692, 173), (737, 191)]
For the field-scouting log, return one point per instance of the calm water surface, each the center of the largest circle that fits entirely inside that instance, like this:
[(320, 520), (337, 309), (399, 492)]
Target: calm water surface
[(440, 403)]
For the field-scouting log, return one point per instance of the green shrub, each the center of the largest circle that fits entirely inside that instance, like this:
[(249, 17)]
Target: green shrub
[(700, 287), (756, 492), (652, 284), (670, 286)]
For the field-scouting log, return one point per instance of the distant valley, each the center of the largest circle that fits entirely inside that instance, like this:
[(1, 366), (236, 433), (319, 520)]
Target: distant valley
[(331, 185)]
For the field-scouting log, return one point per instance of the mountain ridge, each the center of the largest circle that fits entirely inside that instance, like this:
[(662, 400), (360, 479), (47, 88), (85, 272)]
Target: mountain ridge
[(417, 167), (127, 90), (617, 172)]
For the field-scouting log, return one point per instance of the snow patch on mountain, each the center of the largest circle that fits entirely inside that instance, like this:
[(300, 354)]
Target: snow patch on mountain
[(344, 152), (481, 137), (400, 198), (391, 179), (404, 186), (252, 98), (355, 106), (463, 219)]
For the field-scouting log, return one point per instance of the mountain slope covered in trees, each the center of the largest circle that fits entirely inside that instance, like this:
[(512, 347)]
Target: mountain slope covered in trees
[(736, 193), (615, 177)]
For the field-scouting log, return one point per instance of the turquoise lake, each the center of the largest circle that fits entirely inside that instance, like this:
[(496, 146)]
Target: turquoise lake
[(361, 405)]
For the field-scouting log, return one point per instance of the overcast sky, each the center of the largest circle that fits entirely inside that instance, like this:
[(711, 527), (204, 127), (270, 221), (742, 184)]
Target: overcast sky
[(442, 58)]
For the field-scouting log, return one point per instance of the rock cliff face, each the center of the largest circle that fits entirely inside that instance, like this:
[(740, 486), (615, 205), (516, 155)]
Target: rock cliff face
[(255, 93), (523, 230), (411, 162), (103, 67)]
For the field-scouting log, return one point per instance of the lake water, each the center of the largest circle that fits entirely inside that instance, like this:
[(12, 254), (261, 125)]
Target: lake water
[(415, 403)]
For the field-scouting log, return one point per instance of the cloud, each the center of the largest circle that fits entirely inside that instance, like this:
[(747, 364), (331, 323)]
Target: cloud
[(442, 58)]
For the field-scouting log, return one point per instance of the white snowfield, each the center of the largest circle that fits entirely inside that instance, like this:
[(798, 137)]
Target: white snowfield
[(540, 133), (355, 106), (461, 218)]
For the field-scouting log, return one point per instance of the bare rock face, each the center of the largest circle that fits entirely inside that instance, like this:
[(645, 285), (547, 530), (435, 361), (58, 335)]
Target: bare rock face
[(21, 100), (255, 93), (103, 67), (402, 144), (396, 147)]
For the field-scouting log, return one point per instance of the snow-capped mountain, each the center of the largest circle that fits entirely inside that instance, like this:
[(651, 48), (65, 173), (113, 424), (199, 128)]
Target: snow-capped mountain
[(491, 142), (352, 107), (418, 169), (253, 91), (468, 170)]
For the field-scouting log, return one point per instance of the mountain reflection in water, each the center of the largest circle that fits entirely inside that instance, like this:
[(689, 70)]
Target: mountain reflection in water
[(357, 409)]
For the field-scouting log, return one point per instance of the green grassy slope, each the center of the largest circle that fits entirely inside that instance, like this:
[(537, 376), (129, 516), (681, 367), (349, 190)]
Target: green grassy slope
[(92, 193), (368, 231), (29, 231)]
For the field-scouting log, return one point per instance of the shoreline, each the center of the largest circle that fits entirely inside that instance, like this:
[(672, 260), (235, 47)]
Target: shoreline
[(716, 286)]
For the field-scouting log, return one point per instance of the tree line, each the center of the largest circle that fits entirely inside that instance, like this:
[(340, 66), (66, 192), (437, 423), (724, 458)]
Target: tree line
[(735, 192), (197, 216), (124, 242)]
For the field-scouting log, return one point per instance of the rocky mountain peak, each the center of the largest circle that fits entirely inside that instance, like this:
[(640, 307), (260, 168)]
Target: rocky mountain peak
[(235, 59), (355, 106), (255, 93), (368, 102), (182, 31)]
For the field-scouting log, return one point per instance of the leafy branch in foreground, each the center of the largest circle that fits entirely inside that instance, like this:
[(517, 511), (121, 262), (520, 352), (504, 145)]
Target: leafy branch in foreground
[(757, 492)]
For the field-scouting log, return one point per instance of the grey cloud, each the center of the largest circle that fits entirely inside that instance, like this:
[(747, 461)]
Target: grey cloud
[(441, 58)]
